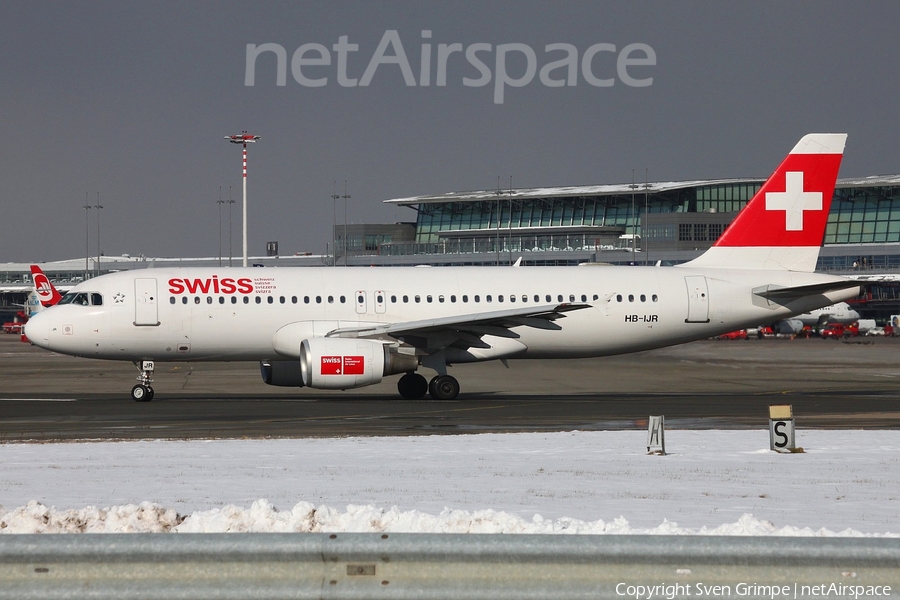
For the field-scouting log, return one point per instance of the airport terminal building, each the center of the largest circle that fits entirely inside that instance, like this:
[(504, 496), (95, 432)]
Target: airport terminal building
[(641, 223)]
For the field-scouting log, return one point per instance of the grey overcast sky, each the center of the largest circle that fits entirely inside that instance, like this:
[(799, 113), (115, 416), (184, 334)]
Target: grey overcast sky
[(132, 100)]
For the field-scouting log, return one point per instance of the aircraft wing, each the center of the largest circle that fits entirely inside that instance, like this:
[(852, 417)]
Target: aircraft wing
[(464, 330)]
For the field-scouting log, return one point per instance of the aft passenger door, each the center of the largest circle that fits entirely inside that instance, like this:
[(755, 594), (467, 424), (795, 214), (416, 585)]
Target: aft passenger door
[(698, 299)]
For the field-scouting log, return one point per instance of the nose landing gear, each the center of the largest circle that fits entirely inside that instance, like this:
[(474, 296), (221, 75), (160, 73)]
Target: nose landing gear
[(142, 392)]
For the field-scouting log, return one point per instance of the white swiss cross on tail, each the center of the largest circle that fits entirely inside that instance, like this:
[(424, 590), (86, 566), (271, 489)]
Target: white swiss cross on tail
[(793, 201), (783, 225)]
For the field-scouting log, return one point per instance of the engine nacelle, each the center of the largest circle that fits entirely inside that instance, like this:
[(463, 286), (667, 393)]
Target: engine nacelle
[(344, 363), (284, 373)]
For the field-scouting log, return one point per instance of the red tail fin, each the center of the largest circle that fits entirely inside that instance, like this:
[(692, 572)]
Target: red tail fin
[(783, 225), (47, 293)]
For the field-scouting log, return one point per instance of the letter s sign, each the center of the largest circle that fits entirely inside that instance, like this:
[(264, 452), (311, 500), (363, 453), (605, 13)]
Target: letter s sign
[(781, 435)]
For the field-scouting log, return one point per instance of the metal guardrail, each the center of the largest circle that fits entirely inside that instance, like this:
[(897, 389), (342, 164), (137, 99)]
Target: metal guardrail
[(241, 566)]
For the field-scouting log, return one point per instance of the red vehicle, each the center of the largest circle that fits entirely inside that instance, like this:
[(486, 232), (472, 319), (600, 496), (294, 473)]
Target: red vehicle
[(740, 334), (839, 330)]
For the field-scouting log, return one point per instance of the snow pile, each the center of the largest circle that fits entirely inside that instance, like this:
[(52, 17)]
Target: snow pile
[(306, 518), (572, 482)]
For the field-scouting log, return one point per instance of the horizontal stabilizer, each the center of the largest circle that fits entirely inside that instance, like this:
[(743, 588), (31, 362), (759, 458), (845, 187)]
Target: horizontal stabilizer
[(782, 293)]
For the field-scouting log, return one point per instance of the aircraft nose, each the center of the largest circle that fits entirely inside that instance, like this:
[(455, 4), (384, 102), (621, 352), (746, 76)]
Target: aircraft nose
[(37, 330)]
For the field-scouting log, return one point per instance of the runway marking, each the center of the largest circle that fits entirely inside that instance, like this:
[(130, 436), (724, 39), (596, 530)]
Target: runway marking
[(38, 400)]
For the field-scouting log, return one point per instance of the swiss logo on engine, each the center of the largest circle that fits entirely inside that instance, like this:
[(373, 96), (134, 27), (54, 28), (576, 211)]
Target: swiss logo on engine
[(332, 365), (343, 365)]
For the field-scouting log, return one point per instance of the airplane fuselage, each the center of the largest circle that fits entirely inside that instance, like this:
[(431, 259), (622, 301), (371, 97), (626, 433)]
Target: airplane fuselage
[(236, 314)]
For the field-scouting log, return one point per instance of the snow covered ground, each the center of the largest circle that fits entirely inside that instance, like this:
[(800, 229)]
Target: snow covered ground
[(712, 482)]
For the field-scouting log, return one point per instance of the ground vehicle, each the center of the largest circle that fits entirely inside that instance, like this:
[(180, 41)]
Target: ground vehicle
[(838, 331), (740, 334)]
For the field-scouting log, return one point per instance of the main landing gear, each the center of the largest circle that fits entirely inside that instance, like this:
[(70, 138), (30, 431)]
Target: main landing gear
[(142, 392), (413, 386)]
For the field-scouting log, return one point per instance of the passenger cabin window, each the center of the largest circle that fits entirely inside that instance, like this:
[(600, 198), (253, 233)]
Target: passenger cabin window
[(259, 299), (172, 300), (184, 300)]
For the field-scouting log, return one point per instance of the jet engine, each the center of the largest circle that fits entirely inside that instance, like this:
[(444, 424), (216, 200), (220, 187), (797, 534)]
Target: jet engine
[(344, 363)]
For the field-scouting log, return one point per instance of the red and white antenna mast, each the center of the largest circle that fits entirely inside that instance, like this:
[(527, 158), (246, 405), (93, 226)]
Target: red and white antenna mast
[(244, 138)]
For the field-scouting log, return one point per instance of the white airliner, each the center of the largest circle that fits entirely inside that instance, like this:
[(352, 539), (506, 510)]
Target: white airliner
[(836, 313), (341, 328)]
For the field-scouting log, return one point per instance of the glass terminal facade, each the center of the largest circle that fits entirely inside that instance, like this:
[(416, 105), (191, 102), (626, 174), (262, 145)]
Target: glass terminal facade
[(660, 217)]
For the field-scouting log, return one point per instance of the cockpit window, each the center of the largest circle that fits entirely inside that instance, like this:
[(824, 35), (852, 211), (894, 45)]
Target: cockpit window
[(67, 299), (82, 298)]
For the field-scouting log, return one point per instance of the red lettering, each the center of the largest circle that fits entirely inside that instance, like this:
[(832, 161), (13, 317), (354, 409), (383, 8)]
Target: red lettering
[(226, 285), (175, 286), (195, 285), (245, 285)]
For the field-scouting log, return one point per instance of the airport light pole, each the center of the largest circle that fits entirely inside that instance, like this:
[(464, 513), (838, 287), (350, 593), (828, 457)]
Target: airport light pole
[(345, 197), (244, 138), (87, 249), (633, 187), (220, 202), (230, 228), (334, 198), (98, 207)]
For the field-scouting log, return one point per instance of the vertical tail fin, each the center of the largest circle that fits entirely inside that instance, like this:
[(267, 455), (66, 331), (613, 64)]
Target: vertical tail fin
[(783, 225), (46, 292)]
